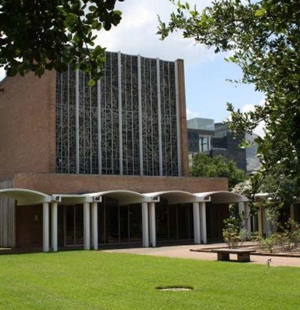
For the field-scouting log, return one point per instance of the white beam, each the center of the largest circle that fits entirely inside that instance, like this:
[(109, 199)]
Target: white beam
[(145, 224), (203, 222), (120, 112), (178, 120), (197, 233), (152, 222), (86, 225), (159, 117), (95, 224), (99, 121), (77, 119), (54, 222), (140, 115), (46, 227)]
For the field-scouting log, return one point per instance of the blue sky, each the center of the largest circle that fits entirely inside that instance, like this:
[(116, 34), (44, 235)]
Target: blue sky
[(207, 90)]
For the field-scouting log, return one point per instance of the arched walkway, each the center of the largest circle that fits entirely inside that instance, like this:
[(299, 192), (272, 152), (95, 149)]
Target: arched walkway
[(123, 215)]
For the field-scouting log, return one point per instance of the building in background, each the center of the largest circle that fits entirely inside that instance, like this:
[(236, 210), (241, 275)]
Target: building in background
[(200, 135), (205, 136), (225, 144), (89, 167)]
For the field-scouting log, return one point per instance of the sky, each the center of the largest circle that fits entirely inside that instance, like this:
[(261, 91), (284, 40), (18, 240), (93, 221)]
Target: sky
[(207, 90)]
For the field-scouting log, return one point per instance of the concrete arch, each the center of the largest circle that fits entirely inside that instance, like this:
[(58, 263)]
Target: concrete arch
[(221, 197), (124, 197), (25, 196), (174, 196)]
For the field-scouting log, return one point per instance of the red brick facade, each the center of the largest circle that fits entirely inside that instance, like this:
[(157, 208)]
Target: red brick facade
[(73, 183), (29, 220), (27, 145), (27, 125)]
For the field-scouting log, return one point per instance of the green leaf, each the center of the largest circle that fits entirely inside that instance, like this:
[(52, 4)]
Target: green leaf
[(117, 12), (93, 8), (71, 19), (91, 83), (260, 12)]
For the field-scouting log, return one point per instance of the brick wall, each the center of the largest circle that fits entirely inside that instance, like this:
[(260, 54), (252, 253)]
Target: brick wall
[(72, 183), (27, 125), (29, 221)]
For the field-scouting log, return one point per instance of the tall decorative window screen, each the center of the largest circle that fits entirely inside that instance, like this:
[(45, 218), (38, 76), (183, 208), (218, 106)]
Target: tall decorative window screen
[(126, 125)]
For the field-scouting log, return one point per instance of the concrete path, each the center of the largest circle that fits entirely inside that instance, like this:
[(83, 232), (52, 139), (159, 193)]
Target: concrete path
[(184, 251)]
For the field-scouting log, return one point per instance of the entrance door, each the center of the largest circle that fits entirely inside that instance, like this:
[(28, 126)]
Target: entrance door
[(119, 224), (184, 222), (174, 222), (73, 216)]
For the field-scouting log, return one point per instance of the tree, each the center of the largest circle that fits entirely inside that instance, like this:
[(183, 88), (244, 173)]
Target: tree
[(281, 190), (38, 35), (219, 166), (263, 39)]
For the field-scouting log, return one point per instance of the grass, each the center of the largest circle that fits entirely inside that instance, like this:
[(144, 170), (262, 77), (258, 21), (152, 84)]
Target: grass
[(95, 280)]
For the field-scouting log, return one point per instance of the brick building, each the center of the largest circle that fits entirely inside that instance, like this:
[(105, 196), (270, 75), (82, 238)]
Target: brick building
[(90, 167)]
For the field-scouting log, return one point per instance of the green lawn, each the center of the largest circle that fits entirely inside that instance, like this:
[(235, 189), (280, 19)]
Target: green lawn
[(95, 280)]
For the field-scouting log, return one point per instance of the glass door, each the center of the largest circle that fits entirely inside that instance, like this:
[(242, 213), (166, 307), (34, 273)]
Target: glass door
[(73, 216)]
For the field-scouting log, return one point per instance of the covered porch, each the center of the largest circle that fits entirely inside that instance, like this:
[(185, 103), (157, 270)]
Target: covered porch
[(121, 217)]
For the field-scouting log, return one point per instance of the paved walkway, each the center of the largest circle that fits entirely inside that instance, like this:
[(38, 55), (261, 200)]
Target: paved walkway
[(184, 251)]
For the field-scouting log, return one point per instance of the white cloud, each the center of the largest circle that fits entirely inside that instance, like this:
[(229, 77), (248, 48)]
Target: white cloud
[(136, 34), (259, 130), (190, 114)]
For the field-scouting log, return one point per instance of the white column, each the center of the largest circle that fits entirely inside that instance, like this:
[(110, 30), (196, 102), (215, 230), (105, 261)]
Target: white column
[(266, 223), (95, 224), (203, 222), (145, 224), (152, 224), (197, 233), (86, 226), (244, 211), (241, 207), (260, 220), (54, 220), (46, 227), (247, 214)]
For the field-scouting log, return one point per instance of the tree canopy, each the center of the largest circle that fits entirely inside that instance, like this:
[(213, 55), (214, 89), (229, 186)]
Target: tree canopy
[(218, 166), (263, 40), (38, 35)]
